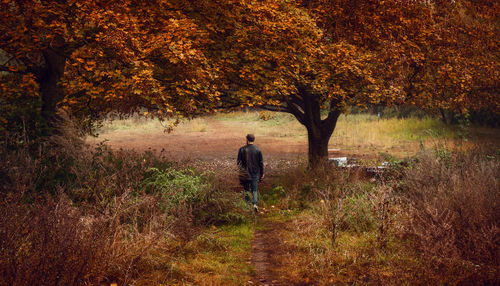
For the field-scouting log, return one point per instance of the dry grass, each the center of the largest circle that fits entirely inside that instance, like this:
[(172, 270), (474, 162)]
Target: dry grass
[(52, 243), (77, 215), (435, 224), (143, 125), (220, 256), (355, 133), (453, 210)]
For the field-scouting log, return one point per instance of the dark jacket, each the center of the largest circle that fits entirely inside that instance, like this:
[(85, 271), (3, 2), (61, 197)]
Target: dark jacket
[(255, 162)]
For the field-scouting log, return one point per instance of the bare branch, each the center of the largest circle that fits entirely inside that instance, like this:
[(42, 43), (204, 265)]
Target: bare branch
[(296, 110), (276, 108), (6, 69)]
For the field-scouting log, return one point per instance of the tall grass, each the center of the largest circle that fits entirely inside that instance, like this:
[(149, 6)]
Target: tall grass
[(359, 133), (351, 128), (72, 214), (134, 123), (436, 222), (144, 125), (366, 129), (453, 210)]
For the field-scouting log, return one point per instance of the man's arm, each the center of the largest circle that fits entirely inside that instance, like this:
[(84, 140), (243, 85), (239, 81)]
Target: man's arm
[(261, 165), (240, 159)]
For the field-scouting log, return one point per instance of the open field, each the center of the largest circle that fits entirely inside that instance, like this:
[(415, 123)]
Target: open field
[(280, 136)]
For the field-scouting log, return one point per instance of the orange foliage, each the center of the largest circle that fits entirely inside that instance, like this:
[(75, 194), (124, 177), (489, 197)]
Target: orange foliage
[(189, 57), (433, 54), (93, 57)]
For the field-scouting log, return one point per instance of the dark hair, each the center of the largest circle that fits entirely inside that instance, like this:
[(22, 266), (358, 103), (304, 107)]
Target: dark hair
[(250, 137)]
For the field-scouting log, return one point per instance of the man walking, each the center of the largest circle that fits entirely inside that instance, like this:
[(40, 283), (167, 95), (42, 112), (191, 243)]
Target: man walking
[(250, 159)]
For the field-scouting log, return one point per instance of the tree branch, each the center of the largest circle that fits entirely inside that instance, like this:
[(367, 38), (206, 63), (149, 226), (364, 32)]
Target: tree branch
[(6, 69), (275, 108), (294, 108), (330, 121)]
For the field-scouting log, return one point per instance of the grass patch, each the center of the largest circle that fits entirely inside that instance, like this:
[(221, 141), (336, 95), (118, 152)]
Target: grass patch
[(219, 256), (351, 129), (358, 258), (271, 124), (359, 133), (143, 125), (138, 124)]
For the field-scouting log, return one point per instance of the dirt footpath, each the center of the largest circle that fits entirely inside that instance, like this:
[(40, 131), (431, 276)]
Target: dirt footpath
[(268, 255), (265, 256)]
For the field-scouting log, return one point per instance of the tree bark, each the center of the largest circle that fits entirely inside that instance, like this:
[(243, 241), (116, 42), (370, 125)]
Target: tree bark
[(318, 146), (49, 79), (444, 118), (306, 109)]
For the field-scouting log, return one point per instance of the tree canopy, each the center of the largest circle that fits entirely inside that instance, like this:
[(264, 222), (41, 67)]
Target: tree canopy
[(94, 57), (174, 57), (439, 54)]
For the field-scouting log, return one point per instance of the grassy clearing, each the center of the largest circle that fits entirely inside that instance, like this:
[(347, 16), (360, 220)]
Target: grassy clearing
[(143, 125), (350, 126), (355, 133), (352, 129)]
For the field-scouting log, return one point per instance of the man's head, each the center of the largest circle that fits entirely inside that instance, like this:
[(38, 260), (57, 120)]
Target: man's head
[(250, 138)]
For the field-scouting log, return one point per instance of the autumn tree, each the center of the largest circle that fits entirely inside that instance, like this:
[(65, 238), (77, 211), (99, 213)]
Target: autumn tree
[(308, 58), (303, 57), (462, 70), (95, 57), (274, 55), (437, 55)]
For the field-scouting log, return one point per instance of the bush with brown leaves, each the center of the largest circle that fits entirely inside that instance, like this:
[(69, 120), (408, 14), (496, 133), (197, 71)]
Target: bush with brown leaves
[(72, 214), (453, 205)]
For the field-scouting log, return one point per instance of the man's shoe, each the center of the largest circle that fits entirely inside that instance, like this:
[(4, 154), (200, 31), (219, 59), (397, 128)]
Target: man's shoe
[(255, 209)]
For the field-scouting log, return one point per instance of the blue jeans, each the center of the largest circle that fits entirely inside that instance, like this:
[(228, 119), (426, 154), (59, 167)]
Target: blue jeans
[(253, 186)]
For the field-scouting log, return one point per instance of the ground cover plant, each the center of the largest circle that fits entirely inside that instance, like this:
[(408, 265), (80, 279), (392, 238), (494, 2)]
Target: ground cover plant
[(434, 224), (150, 217), (117, 216)]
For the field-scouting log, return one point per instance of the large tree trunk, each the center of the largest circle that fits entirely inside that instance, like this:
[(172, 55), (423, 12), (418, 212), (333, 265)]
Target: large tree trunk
[(307, 110), (318, 146), (318, 136), (49, 79)]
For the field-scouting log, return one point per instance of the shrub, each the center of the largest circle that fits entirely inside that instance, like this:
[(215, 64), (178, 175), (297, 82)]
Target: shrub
[(206, 199), (452, 201), (297, 187), (176, 186), (74, 214), (266, 115), (52, 243), (356, 214), (274, 195)]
